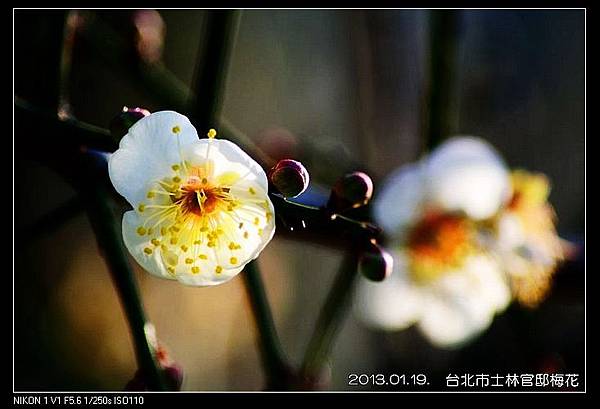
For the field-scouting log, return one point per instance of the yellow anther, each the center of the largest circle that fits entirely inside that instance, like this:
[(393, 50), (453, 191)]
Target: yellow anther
[(171, 258), (175, 167), (163, 247), (176, 129), (203, 257), (218, 269), (211, 244), (260, 232), (163, 231), (141, 207), (150, 194), (241, 225), (184, 247), (211, 133), (204, 181), (233, 260), (155, 242), (203, 229), (196, 242), (232, 246), (176, 179), (256, 221), (141, 230), (195, 269), (171, 270), (173, 240), (251, 190), (189, 260), (150, 231), (245, 234), (148, 250)]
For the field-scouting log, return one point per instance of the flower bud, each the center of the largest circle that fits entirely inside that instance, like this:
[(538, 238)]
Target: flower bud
[(289, 177), (375, 263), (120, 125), (352, 190)]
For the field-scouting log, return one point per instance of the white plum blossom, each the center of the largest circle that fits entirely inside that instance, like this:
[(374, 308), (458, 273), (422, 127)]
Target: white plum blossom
[(201, 208), (444, 279)]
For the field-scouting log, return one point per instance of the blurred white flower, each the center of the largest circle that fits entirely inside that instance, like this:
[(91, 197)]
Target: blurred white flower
[(526, 238), (201, 209), (444, 278)]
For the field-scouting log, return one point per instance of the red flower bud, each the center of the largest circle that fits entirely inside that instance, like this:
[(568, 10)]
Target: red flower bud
[(376, 263), (352, 190), (289, 177)]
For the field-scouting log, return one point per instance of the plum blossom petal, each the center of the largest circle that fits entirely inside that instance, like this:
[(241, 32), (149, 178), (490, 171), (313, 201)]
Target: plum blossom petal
[(467, 174), (462, 304), (398, 203)]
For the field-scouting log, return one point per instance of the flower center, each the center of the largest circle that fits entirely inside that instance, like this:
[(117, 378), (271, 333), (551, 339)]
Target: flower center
[(437, 244), (199, 197), (199, 221)]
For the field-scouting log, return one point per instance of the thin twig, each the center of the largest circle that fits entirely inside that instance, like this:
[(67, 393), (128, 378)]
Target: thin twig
[(331, 318), (108, 235), (274, 360)]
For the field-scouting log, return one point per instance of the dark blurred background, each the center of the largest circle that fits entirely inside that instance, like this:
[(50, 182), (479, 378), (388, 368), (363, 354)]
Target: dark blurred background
[(340, 90)]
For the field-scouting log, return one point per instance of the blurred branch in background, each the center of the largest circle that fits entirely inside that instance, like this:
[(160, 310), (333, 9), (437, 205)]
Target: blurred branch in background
[(211, 68), (109, 237), (440, 111)]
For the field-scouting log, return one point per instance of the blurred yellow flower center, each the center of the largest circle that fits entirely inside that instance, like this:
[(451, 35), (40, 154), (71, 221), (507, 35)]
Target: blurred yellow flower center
[(438, 243), (531, 277)]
